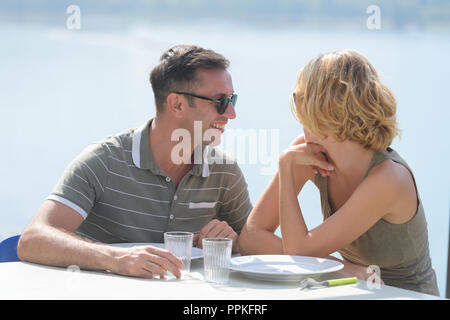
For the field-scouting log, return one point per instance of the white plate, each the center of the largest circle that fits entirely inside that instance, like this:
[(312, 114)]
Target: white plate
[(197, 253), (283, 267)]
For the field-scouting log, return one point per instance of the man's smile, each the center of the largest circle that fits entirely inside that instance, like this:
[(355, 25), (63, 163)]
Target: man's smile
[(218, 126)]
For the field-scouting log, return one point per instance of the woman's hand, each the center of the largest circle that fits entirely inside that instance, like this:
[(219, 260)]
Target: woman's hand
[(361, 272), (306, 154), (300, 139), (355, 270)]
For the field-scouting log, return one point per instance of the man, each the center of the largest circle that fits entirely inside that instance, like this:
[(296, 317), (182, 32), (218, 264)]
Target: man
[(134, 186)]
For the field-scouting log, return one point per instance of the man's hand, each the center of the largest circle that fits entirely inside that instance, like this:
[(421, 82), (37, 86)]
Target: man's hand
[(145, 261), (217, 229)]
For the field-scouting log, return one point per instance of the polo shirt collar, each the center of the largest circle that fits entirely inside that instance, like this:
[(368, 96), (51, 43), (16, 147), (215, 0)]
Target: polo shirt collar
[(143, 158)]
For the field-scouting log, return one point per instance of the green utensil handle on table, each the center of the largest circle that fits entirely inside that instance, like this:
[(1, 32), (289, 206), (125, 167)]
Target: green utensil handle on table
[(338, 282)]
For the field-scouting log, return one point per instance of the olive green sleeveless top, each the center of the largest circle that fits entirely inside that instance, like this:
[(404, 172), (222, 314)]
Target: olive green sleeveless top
[(400, 250)]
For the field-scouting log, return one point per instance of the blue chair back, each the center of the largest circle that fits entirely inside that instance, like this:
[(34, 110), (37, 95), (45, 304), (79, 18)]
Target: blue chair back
[(8, 249)]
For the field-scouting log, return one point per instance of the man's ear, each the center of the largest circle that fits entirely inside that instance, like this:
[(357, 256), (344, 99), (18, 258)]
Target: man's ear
[(176, 104)]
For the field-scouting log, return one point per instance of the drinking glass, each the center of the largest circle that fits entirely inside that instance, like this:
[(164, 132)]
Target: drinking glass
[(216, 259), (180, 244)]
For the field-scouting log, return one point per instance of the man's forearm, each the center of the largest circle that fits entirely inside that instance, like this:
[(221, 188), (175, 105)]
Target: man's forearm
[(52, 246)]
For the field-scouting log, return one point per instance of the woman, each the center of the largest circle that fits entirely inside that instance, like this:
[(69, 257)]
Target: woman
[(371, 209)]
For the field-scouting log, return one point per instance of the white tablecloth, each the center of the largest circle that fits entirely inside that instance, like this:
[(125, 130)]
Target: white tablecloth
[(20, 280)]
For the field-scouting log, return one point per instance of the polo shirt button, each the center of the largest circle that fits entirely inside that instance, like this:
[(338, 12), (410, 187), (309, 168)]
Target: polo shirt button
[(171, 217), (167, 179)]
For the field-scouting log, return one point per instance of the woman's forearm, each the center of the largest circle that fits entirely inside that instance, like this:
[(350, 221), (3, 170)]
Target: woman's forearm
[(293, 226), (259, 241)]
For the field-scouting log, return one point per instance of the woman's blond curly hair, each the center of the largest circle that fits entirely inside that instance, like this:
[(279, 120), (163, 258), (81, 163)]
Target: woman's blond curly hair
[(340, 94)]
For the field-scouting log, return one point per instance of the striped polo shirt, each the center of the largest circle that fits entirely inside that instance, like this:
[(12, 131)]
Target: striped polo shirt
[(123, 196)]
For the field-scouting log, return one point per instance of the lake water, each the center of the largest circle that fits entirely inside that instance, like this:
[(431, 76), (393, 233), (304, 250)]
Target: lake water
[(62, 89)]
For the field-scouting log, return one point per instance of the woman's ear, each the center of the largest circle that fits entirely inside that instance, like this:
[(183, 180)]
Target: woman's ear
[(176, 104)]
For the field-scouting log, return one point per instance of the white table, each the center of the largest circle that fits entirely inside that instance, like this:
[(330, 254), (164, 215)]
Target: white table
[(20, 280)]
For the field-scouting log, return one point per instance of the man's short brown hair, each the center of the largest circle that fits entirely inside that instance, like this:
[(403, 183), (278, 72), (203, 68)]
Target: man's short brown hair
[(177, 70)]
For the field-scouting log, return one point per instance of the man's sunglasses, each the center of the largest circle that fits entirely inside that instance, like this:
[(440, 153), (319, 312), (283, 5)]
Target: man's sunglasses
[(221, 104)]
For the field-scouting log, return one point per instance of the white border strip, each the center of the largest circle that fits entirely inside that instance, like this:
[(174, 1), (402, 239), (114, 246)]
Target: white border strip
[(136, 146), (205, 167), (68, 203)]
